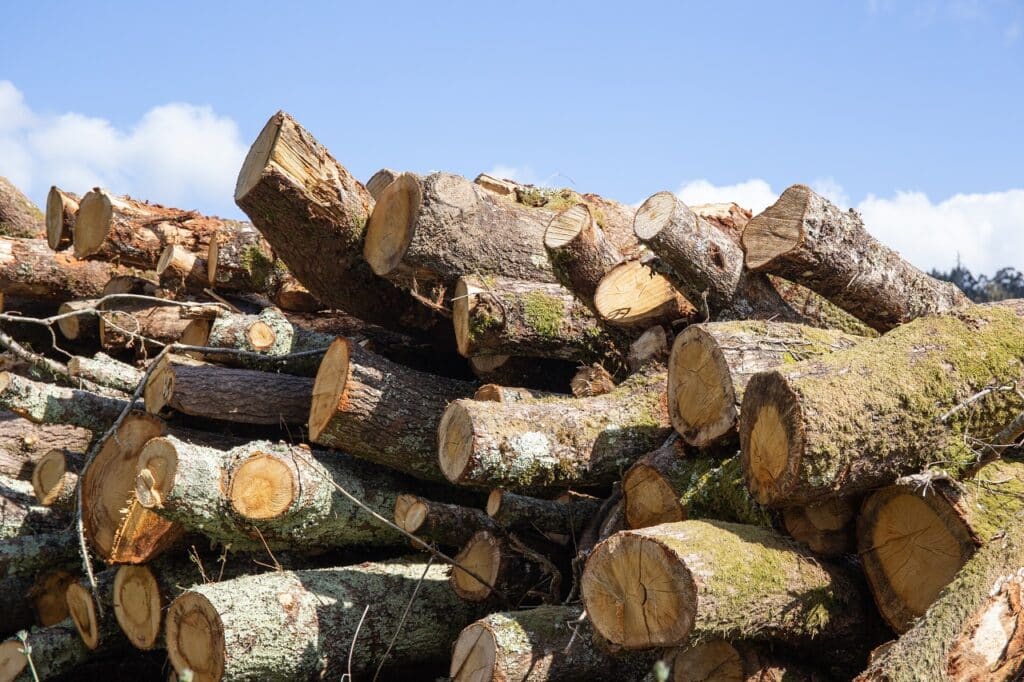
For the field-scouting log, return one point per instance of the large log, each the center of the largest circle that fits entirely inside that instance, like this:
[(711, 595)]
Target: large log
[(972, 630), (659, 586), (560, 442), (30, 270), (635, 295), (548, 643), (289, 615), (711, 364), (50, 404), (61, 211), (263, 494), (912, 542), (230, 394), (381, 411), (807, 240), (859, 418), (671, 484), (579, 251), (314, 214), (19, 217), (23, 442)]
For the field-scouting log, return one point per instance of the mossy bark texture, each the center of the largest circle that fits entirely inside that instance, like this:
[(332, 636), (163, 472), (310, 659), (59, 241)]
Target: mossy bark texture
[(50, 404), (30, 270)]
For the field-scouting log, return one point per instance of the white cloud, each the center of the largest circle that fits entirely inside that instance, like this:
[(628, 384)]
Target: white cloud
[(177, 154), (985, 230), (1012, 33)]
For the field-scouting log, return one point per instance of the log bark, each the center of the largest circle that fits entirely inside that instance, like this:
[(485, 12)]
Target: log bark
[(51, 404), (181, 270), (508, 570), (22, 560), (499, 316), (446, 524), (564, 516), (509, 394), (711, 364), (807, 240), (55, 478), (138, 324), (913, 540), (857, 419), (579, 251), (263, 494), (716, 580), (707, 262), (61, 211), (291, 613), (380, 411), (20, 513), (972, 631), (380, 180), (314, 214), (19, 217), (23, 442), (826, 528), (553, 443), (30, 270), (817, 310), (56, 650), (635, 295), (241, 396), (717, 660), (106, 371), (548, 643), (671, 484)]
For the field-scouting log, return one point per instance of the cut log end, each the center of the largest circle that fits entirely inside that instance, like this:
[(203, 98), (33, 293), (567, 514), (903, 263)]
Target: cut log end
[(634, 295), (654, 215), (713, 661), (494, 502), (138, 605), (57, 235), (49, 596), (390, 228), (771, 437), (475, 654), (93, 223), (197, 333), (329, 386), (157, 467), (49, 477), (13, 661), (195, 637), (636, 595), (649, 498), (566, 226), (778, 230), (259, 157), (82, 608), (463, 302), (702, 400), (70, 327), (482, 557), (262, 487), (410, 513), (159, 387), (455, 438)]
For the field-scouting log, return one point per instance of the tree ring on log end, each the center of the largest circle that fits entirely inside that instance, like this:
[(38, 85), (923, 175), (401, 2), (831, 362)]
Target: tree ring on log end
[(138, 605), (390, 229), (410, 512), (259, 156), (701, 398), (911, 547), (195, 637), (481, 556), (456, 441), (157, 467), (654, 215), (54, 221), (329, 387), (92, 224), (166, 256), (716, 660), (463, 302), (474, 655), (262, 487), (49, 596), (771, 437), (494, 501), (12, 661), (566, 226), (649, 499), (83, 613), (260, 335), (48, 476), (633, 295), (777, 230), (639, 594)]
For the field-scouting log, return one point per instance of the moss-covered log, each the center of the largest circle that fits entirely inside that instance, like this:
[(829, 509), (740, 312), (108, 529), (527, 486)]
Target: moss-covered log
[(634, 295), (230, 394), (662, 585), (499, 316), (51, 404), (446, 524), (671, 484), (817, 310), (23, 442), (807, 240), (140, 326), (30, 270), (381, 411), (859, 418), (548, 643), (507, 567), (280, 635), (61, 211), (106, 371), (266, 494), (19, 217), (579, 252), (913, 541), (55, 650), (314, 214), (826, 528), (55, 478), (565, 515), (556, 442), (711, 363)]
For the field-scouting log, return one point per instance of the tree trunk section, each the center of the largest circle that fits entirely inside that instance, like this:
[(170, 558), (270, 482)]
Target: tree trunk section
[(635, 295), (818, 311), (106, 371), (446, 524), (379, 181), (23, 442), (380, 411), (61, 211), (84, 326), (19, 217), (140, 325), (509, 572), (579, 252), (859, 418), (23, 560), (55, 478), (564, 516), (825, 528), (56, 650), (807, 240), (95, 630), (30, 270), (510, 394), (51, 404), (556, 443), (20, 513)]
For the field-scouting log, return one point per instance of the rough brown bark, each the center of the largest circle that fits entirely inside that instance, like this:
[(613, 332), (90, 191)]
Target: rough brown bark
[(181, 270), (23, 442), (381, 411), (859, 418), (565, 516), (580, 253), (560, 442), (446, 524), (19, 217), (243, 396), (314, 215), (807, 240), (30, 270), (61, 211), (138, 324), (50, 404)]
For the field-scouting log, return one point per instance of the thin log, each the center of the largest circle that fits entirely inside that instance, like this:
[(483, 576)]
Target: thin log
[(564, 515), (509, 394), (506, 568), (579, 252), (61, 211), (84, 326), (23, 560), (20, 513), (95, 630), (635, 295), (23, 442), (51, 404), (55, 478), (140, 325), (807, 240), (446, 524), (182, 270), (30, 270), (19, 217), (106, 371)]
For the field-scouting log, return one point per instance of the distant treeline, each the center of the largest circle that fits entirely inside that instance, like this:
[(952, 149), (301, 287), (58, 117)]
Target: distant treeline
[(1007, 283)]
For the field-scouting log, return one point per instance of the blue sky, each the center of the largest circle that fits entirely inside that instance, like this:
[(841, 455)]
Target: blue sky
[(911, 111)]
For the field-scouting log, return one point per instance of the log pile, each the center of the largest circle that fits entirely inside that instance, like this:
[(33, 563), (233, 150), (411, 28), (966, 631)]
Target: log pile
[(439, 427)]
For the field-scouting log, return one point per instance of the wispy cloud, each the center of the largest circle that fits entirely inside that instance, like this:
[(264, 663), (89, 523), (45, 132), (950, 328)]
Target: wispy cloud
[(176, 153), (1012, 32)]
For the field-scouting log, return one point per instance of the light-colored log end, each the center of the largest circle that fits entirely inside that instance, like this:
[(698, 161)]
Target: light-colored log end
[(138, 605), (82, 609), (392, 223), (410, 512), (380, 181), (649, 499), (57, 236), (455, 441), (262, 487), (159, 387), (197, 333), (701, 397), (777, 230), (567, 225), (329, 387), (474, 655), (259, 156), (195, 637), (463, 302), (482, 556), (494, 502), (633, 295), (771, 437), (156, 470), (12, 660), (654, 215), (49, 477), (93, 223), (713, 661)]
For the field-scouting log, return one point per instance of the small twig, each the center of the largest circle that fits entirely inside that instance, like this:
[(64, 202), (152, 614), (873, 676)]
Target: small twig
[(575, 631), (194, 555), (973, 399), (352, 647), (26, 649), (277, 564), (401, 621)]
